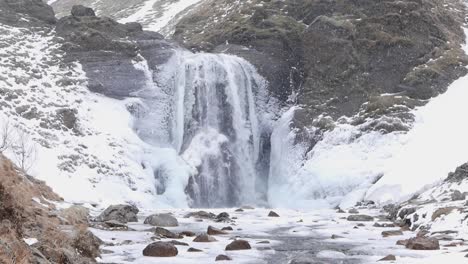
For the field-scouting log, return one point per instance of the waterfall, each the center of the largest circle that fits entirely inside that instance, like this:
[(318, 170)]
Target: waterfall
[(204, 106)]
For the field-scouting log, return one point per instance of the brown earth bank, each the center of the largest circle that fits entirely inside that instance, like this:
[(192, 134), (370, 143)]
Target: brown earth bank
[(32, 230)]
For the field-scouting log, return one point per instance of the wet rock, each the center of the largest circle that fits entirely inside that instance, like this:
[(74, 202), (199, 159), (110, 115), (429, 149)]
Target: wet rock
[(122, 213), (194, 250), (204, 238), (188, 233), (458, 196), (360, 218), (166, 233), (227, 228), (178, 243), (239, 210), (222, 257), (164, 220), (81, 11), (392, 233), (423, 243), (273, 214), (201, 215), (222, 217), (160, 249), (215, 231), (116, 224), (388, 258), (238, 245)]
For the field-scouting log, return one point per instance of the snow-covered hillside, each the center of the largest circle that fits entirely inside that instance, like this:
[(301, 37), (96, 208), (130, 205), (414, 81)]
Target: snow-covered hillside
[(155, 15)]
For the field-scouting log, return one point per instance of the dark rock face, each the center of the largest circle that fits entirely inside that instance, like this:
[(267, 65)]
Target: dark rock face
[(160, 249), (423, 243), (122, 213), (342, 50), (109, 50), (459, 174), (273, 214), (238, 245), (14, 10), (80, 10)]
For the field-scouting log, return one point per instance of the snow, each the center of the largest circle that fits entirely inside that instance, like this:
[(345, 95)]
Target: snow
[(30, 241)]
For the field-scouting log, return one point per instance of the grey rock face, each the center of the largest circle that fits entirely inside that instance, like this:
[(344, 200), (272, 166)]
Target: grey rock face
[(14, 10), (122, 213), (80, 10), (164, 220), (459, 174), (360, 218)]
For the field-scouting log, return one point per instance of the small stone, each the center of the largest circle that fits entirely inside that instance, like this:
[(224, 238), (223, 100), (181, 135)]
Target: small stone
[(238, 245), (360, 218), (160, 249), (273, 214), (194, 250), (361, 224), (392, 233), (388, 258), (423, 243), (204, 238), (222, 257), (215, 231)]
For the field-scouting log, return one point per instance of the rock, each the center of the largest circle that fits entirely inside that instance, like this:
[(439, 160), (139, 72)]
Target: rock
[(247, 207), (81, 11), (178, 243), (458, 196), (353, 211), (264, 242), (222, 257), (340, 211), (122, 213), (227, 228), (164, 220), (115, 224), (166, 233), (383, 225), (402, 242), (238, 245), (392, 233), (273, 214), (75, 214), (194, 250), (423, 243), (222, 217), (388, 258), (422, 233), (187, 233), (160, 249), (215, 231), (87, 243), (239, 210), (442, 211), (201, 215), (336, 236), (204, 238), (406, 211), (460, 174), (360, 218)]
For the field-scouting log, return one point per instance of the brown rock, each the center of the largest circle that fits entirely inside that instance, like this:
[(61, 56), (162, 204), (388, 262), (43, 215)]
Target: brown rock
[(215, 231), (160, 249), (204, 238), (392, 233), (423, 243), (222, 257), (194, 250), (402, 242), (238, 245), (273, 214), (388, 258)]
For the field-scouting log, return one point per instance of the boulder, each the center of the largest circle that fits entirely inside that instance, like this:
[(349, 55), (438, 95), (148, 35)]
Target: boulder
[(222, 257), (239, 210), (392, 233), (215, 231), (194, 250), (388, 258), (187, 233), (238, 245), (423, 243), (122, 213), (166, 233), (227, 228), (204, 238), (458, 196), (273, 214), (160, 249), (353, 211), (360, 218), (82, 11), (222, 217), (164, 220)]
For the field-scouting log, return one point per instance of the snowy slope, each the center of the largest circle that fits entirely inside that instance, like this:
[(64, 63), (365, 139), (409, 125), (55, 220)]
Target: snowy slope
[(154, 15)]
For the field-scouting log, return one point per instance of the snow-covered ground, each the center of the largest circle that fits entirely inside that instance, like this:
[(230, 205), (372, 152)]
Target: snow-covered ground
[(295, 235)]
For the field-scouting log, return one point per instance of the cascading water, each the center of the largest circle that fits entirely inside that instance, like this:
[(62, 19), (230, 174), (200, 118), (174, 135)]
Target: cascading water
[(204, 105)]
